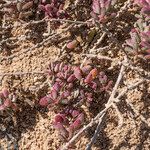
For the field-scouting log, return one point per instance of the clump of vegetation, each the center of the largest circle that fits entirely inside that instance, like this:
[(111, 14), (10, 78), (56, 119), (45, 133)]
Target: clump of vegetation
[(139, 43), (53, 9), (101, 9), (71, 88), (7, 101)]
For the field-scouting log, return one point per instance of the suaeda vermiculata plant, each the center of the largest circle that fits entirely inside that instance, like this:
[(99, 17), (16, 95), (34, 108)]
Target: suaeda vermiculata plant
[(7, 101), (27, 8), (100, 9), (139, 43), (72, 87)]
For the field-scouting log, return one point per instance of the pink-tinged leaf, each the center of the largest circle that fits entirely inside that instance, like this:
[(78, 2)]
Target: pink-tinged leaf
[(146, 35), (147, 57), (78, 122), (109, 85), (61, 129), (82, 94), (61, 66), (94, 85), (8, 103), (65, 94), (86, 69), (148, 51), (70, 86), (44, 101), (71, 78), (56, 86), (89, 78), (89, 97), (54, 94), (60, 118), (56, 68), (1, 96), (102, 77), (60, 75), (96, 6), (42, 7), (5, 93), (65, 68), (145, 44), (78, 73), (74, 113), (73, 44), (2, 107), (130, 42)]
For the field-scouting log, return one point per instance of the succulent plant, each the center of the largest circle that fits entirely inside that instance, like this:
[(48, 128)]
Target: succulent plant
[(68, 122), (101, 9), (139, 43), (6, 101), (53, 9), (145, 5), (73, 87)]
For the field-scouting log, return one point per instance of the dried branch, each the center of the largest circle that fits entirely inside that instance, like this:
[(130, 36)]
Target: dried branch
[(93, 139)]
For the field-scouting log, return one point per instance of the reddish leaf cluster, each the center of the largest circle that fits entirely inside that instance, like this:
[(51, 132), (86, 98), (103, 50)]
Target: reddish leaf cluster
[(139, 42), (145, 4), (6, 101), (53, 9), (72, 87), (72, 84), (68, 122), (100, 9)]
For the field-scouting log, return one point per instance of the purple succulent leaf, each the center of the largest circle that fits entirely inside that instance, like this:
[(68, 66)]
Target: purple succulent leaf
[(60, 118), (147, 56), (56, 86), (2, 107), (61, 66), (86, 69), (65, 68), (96, 6), (130, 42), (146, 35), (61, 129), (71, 78), (1, 95), (5, 93), (108, 86), (74, 113), (54, 94), (94, 85), (89, 78), (42, 7), (65, 94), (76, 125), (145, 44), (44, 101), (78, 73), (102, 77), (56, 68), (7, 103), (146, 10), (70, 86)]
